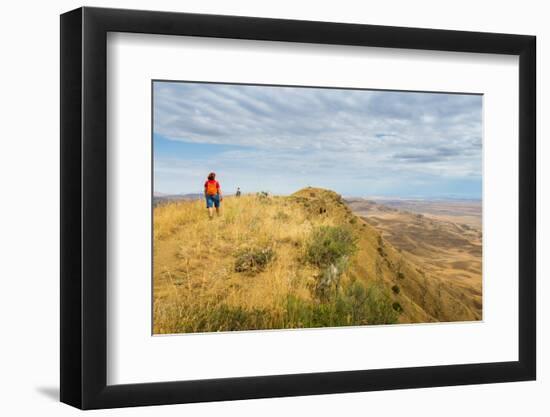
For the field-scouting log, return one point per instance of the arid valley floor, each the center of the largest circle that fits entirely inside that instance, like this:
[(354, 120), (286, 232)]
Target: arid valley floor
[(444, 237)]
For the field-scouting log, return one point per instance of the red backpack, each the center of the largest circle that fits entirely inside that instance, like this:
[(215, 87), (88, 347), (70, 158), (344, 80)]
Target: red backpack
[(211, 187)]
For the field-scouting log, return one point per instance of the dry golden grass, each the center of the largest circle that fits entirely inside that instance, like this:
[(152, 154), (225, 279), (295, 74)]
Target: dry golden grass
[(197, 286), (194, 256)]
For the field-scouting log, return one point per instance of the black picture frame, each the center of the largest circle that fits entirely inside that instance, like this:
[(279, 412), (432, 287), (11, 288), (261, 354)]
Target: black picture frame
[(84, 207)]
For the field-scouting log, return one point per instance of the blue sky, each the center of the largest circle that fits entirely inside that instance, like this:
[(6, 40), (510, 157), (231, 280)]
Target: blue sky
[(281, 139)]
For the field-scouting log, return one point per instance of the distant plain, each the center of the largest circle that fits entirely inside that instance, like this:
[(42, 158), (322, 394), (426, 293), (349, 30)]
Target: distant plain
[(442, 236)]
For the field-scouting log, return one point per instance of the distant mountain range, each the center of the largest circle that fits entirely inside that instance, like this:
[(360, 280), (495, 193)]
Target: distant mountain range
[(390, 202), (161, 197)]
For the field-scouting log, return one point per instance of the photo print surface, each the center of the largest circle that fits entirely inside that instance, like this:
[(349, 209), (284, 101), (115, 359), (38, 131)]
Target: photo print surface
[(287, 207)]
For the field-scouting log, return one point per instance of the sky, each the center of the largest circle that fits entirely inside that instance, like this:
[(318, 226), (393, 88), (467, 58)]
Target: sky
[(281, 139)]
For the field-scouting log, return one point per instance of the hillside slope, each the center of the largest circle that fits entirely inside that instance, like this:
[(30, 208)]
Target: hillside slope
[(303, 260), (444, 246)]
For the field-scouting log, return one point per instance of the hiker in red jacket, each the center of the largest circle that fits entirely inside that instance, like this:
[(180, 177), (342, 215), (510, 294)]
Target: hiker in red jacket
[(213, 194)]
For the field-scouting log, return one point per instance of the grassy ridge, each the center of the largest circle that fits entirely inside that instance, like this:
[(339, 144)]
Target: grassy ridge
[(281, 262)]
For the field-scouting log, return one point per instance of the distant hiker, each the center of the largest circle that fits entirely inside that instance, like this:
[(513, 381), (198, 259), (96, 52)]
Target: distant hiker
[(238, 193), (213, 194)]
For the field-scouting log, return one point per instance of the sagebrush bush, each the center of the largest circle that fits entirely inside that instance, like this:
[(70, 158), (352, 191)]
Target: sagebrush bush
[(327, 244), (329, 278), (253, 260)]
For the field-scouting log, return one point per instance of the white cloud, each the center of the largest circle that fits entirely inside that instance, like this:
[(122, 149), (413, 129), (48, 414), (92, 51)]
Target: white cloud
[(329, 135)]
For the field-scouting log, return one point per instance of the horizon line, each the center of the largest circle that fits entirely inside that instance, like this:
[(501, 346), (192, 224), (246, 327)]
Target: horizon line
[(364, 196)]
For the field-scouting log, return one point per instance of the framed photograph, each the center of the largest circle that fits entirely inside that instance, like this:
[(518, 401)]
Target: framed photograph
[(257, 208)]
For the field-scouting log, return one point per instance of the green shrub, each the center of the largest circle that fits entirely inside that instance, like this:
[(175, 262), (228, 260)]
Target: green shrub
[(396, 289), (327, 244), (397, 307), (353, 305), (380, 309), (253, 260)]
